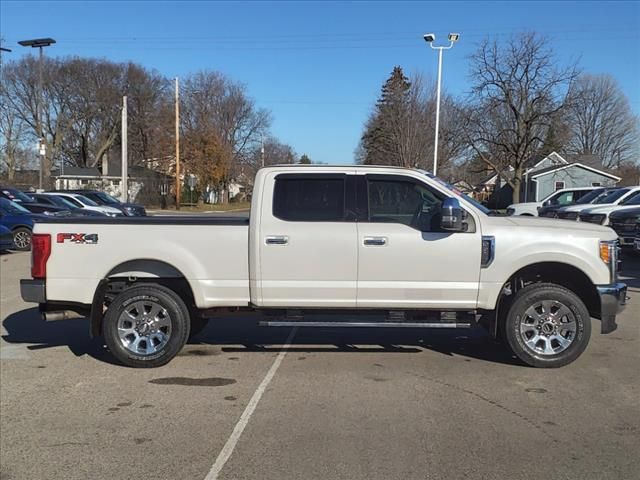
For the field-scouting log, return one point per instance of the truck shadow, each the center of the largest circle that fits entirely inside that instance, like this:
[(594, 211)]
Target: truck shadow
[(243, 335), (240, 335), (26, 327)]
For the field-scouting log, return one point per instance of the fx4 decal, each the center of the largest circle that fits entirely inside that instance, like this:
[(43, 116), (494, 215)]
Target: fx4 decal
[(89, 238)]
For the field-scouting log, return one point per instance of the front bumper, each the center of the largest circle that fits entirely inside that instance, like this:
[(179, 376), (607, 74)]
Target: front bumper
[(33, 291), (613, 299)]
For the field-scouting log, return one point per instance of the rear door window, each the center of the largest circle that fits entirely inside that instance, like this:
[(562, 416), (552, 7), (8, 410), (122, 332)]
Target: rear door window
[(316, 198)]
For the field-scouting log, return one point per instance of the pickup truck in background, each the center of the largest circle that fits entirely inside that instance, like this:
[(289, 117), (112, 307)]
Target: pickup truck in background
[(396, 242), (559, 198)]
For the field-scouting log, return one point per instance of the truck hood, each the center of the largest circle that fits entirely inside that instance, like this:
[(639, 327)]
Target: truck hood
[(560, 225)]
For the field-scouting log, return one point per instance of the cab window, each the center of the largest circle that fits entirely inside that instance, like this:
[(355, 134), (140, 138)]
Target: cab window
[(404, 201)]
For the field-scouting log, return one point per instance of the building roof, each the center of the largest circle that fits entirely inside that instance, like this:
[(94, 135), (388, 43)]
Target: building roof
[(556, 168)]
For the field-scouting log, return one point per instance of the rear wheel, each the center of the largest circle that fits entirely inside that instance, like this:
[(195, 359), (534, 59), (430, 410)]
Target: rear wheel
[(547, 325), (22, 239), (146, 326)]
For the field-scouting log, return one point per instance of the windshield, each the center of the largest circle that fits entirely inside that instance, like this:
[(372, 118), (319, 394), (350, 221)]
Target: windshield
[(12, 208), (611, 196), (17, 195), (632, 200), (453, 189), (85, 201), (63, 202), (106, 198)]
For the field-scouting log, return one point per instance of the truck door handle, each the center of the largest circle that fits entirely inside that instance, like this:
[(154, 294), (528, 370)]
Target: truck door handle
[(277, 240), (375, 241)]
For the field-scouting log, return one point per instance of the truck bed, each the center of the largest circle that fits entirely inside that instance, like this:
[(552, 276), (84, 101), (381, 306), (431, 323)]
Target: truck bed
[(210, 252)]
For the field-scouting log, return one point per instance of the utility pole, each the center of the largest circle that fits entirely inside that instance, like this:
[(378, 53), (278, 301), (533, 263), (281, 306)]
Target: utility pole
[(42, 148), (177, 145), (125, 187)]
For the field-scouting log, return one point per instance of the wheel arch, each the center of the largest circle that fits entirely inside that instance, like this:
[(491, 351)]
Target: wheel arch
[(559, 273), (137, 272)]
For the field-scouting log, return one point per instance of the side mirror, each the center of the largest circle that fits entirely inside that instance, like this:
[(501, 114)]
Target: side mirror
[(452, 216)]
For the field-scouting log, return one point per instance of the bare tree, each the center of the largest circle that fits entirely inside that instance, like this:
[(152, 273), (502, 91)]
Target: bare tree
[(272, 152), (221, 108), (516, 93), (400, 129), (601, 122), (56, 115), (13, 133)]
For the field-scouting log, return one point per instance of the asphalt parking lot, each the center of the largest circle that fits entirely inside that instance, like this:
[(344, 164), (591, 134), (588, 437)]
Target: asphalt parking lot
[(333, 404)]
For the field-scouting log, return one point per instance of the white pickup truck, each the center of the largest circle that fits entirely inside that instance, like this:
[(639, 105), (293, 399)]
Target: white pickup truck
[(351, 242)]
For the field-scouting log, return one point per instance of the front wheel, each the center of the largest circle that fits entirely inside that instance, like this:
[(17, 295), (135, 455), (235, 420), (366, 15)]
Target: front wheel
[(146, 326), (547, 325)]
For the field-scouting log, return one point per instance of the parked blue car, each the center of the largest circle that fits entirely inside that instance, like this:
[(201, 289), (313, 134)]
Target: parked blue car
[(6, 239), (19, 221)]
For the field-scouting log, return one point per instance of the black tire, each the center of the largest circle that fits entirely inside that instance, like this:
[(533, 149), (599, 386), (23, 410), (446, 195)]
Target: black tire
[(178, 318), (518, 320), (22, 239)]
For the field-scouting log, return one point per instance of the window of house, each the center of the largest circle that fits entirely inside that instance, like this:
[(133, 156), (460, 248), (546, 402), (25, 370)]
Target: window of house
[(596, 184), (559, 186), (317, 199), (406, 202)]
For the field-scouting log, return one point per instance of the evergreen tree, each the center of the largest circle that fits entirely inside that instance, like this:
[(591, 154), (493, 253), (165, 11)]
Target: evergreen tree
[(379, 143), (305, 160)]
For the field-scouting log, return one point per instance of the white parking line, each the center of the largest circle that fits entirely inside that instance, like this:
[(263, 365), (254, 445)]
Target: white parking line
[(232, 441)]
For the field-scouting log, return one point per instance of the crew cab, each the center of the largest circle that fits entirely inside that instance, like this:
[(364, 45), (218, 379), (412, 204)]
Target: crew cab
[(351, 242)]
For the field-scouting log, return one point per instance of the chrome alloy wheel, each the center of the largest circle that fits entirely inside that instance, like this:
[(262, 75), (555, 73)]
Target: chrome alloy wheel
[(22, 239), (144, 327), (548, 327)]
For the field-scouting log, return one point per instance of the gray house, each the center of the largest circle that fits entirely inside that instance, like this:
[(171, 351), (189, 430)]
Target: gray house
[(548, 175)]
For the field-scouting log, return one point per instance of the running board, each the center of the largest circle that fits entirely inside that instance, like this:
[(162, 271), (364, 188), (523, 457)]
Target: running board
[(363, 324)]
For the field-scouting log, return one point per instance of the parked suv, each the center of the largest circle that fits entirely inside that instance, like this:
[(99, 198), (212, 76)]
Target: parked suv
[(563, 197), (102, 198)]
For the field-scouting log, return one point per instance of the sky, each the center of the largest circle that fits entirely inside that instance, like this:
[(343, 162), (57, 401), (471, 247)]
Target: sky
[(319, 66)]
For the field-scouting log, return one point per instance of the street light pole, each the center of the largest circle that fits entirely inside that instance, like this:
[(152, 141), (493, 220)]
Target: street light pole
[(39, 43), (430, 38)]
